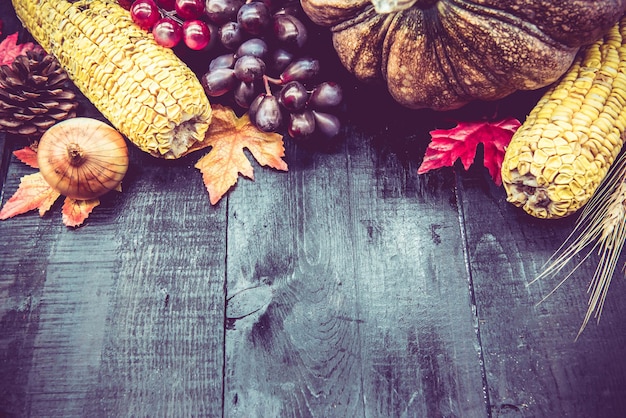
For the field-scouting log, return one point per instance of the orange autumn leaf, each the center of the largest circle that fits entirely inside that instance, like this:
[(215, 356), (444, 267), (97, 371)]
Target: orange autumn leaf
[(228, 136), (28, 156), (76, 211), (32, 193), (35, 193)]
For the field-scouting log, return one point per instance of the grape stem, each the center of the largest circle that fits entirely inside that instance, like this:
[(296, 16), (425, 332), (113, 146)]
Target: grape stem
[(171, 14), (267, 80)]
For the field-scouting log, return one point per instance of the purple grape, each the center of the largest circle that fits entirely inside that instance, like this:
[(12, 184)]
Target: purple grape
[(302, 69), (293, 96), (254, 105), (245, 93), (222, 11), (301, 124), (272, 4), (327, 124), (222, 61), (292, 8), (218, 82), (267, 116), (255, 47), (290, 30), (325, 95), (254, 17), (279, 60), (249, 68), (231, 35)]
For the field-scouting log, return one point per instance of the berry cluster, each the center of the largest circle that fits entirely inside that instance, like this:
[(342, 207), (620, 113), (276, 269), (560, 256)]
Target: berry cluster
[(173, 21), (265, 71), (257, 60)]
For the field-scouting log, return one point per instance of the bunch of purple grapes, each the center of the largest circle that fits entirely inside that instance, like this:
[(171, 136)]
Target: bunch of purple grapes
[(263, 68), (257, 62)]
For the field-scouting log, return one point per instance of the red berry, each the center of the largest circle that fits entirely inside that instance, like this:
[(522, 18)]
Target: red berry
[(145, 13), (189, 9), (166, 4), (196, 34), (167, 32), (125, 3)]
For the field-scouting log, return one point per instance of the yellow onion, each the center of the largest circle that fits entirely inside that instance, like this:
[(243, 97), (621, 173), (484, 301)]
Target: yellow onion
[(82, 158)]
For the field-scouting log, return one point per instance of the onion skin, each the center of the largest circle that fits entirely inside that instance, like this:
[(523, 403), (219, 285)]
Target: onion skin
[(83, 158)]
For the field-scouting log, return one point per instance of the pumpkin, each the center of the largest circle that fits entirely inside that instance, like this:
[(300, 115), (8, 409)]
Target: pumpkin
[(442, 54)]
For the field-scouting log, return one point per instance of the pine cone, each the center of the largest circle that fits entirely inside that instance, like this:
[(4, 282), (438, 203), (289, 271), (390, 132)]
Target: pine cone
[(34, 95)]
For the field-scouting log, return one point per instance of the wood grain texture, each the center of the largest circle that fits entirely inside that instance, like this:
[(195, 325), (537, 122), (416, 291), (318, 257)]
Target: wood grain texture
[(420, 353), (297, 351), (164, 340), (347, 311), (534, 365), (124, 318), (4, 160)]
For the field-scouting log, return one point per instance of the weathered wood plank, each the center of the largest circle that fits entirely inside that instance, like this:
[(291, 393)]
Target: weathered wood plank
[(337, 303), (4, 160), (419, 354), (164, 343), (534, 367), (123, 316), (292, 347)]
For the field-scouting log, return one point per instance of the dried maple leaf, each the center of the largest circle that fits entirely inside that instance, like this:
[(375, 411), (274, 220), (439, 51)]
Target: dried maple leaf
[(228, 136), (76, 211), (33, 193), (28, 156), (461, 142), (9, 49)]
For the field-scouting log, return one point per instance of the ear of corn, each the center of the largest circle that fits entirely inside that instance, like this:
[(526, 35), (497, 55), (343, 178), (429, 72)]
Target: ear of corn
[(142, 88), (563, 150)]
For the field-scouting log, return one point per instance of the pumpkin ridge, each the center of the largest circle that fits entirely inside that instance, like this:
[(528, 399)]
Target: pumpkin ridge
[(368, 13), (497, 70), (364, 58), (442, 54), (387, 42), (511, 20)]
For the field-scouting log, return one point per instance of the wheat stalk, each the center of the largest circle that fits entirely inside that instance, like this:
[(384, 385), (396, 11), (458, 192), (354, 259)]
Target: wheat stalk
[(602, 228)]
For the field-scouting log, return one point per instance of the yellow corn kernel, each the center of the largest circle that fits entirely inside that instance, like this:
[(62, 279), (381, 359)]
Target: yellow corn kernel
[(573, 134), (112, 61)]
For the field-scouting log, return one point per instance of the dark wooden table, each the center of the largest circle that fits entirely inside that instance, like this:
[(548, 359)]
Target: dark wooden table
[(348, 286)]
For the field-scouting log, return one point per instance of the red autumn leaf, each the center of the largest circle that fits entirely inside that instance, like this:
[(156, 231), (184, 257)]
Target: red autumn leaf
[(461, 143), (228, 136), (76, 211), (32, 193), (9, 49), (28, 156)]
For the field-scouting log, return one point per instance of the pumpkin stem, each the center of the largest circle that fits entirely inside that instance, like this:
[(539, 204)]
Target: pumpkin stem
[(391, 6)]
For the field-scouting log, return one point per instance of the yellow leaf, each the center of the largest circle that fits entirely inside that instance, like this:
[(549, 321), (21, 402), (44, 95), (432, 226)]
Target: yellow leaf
[(228, 136)]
